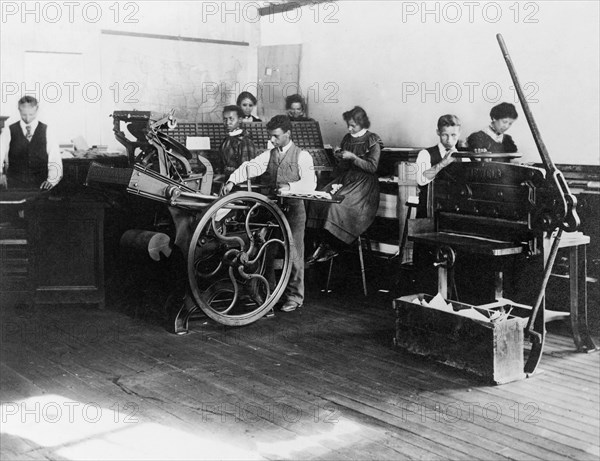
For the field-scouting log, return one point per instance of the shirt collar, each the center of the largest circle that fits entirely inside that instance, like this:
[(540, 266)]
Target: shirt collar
[(443, 149), (359, 134), (284, 149), (33, 125), (492, 134), (235, 132)]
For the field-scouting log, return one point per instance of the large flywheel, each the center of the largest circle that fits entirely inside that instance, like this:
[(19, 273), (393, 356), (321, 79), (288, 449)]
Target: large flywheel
[(239, 259)]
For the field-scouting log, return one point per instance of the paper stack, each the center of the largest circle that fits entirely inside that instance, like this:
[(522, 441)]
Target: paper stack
[(438, 302)]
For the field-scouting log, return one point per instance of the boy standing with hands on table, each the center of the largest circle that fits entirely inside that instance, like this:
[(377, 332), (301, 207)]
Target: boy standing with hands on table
[(28, 152), (288, 169)]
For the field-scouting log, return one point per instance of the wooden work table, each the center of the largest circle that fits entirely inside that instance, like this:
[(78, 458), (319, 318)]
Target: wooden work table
[(66, 239), (52, 246)]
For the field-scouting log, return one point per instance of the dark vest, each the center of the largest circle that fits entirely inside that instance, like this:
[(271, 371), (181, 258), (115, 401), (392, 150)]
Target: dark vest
[(436, 157), (28, 160), (283, 170)]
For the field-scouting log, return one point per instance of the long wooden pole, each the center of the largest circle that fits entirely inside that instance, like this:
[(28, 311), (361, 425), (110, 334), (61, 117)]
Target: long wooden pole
[(568, 214)]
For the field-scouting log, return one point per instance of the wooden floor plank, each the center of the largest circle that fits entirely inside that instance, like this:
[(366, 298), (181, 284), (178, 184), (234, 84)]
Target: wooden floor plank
[(333, 357), (124, 383), (277, 390), (221, 369), (519, 383), (333, 361), (532, 389), (107, 395), (139, 378), (577, 394)]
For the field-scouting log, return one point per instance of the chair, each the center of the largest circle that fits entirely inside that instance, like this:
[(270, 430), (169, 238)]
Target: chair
[(410, 276), (359, 242), (411, 203)]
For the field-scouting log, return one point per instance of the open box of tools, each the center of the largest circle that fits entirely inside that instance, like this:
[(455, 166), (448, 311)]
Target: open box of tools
[(484, 340)]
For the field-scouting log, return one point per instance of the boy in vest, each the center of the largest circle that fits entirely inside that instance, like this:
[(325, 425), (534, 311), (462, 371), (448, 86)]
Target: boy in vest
[(432, 160), (28, 155), (289, 168)]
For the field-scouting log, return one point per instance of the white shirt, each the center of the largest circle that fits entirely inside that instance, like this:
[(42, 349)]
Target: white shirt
[(55, 168), (258, 166), (424, 163)]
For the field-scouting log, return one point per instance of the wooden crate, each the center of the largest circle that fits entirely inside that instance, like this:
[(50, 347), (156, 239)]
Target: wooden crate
[(492, 351)]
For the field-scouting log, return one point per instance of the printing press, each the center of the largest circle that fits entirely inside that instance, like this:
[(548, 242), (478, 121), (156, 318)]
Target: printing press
[(237, 248), (509, 218)]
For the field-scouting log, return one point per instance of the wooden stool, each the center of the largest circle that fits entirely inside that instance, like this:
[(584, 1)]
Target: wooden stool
[(362, 264)]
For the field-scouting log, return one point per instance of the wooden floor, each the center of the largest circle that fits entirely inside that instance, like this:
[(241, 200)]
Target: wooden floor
[(323, 382)]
